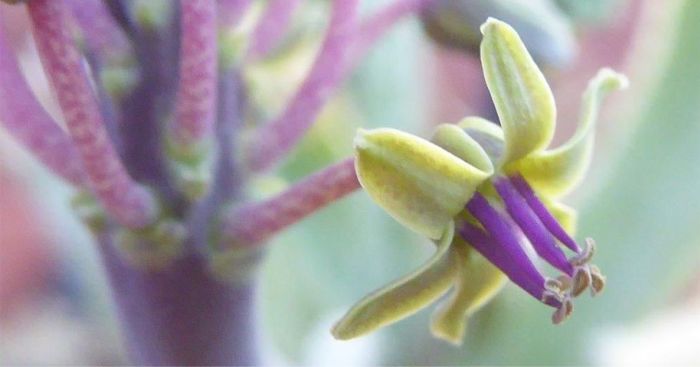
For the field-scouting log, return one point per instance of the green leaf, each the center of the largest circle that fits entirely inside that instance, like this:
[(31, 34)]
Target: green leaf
[(556, 172), (403, 297), (418, 183), (520, 93)]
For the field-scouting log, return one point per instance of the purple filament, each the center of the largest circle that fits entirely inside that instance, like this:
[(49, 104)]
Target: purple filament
[(543, 213), (504, 251), (532, 227)]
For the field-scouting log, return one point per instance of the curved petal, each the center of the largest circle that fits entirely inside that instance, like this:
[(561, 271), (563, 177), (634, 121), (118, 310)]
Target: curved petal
[(555, 172), (487, 133), (403, 297), (520, 93), (418, 183), (478, 281), (455, 140)]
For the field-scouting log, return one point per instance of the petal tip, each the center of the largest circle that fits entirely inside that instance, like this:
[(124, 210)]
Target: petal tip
[(490, 22)]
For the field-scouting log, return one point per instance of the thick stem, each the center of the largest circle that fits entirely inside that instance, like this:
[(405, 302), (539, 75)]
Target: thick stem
[(231, 11), (252, 223), (125, 200), (182, 316)]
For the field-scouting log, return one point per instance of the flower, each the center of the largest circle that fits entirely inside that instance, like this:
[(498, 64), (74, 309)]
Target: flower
[(488, 197)]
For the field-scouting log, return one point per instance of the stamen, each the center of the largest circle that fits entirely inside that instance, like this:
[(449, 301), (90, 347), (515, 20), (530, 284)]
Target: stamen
[(582, 279), (500, 246), (584, 257), (532, 227), (563, 312), (497, 255), (597, 280), (543, 213)]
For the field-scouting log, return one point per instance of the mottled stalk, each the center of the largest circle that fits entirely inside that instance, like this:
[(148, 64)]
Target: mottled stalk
[(272, 26), (129, 203), (27, 121), (196, 94), (252, 223), (181, 315), (275, 139)]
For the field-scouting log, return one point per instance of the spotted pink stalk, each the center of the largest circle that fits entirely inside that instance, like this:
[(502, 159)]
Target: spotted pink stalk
[(196, 94), (273, 140), (27, 121), (253, 223), (272, 26), (129, 203)]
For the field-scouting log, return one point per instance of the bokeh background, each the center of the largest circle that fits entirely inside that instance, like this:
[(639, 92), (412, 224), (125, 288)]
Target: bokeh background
[(641, 202)]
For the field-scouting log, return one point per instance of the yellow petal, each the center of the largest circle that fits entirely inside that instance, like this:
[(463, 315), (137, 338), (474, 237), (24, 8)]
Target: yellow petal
[(455, 140), (418, 183), (478, 281), (403, 297), (520, 93), (555, 172)]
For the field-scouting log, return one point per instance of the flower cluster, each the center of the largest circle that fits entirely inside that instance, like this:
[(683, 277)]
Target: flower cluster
[(487, 195)]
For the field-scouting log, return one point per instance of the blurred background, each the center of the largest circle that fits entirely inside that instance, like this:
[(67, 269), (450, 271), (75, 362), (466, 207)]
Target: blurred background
[(641, 201)]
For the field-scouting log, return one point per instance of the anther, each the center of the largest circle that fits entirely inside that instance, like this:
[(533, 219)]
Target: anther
[(563, 312), (582, 280), (597, 280), (584, 256)]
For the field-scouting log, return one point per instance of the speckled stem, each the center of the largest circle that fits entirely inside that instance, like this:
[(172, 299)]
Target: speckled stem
[(251, 224), (27, 121), (127, 202), (196, 94), (272, 26), (182, 316), (275, 139)]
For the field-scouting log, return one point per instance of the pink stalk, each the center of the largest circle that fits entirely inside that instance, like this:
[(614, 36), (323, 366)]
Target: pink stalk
[(27, 121), (253, 223), (273, 140), (231, 11), (196, 94), (129, 203), (272, 26)]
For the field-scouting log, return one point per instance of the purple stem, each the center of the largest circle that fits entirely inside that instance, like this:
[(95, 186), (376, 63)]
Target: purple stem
[(27, 121), (539, 237), (276, 138), (253, 223), (181, 316), (143, 110), (523, 270), (129, 203), (196, 93), (541, 211), (272, 26)]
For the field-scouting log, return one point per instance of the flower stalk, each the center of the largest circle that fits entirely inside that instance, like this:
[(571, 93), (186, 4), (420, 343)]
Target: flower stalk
[(127, 201)]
